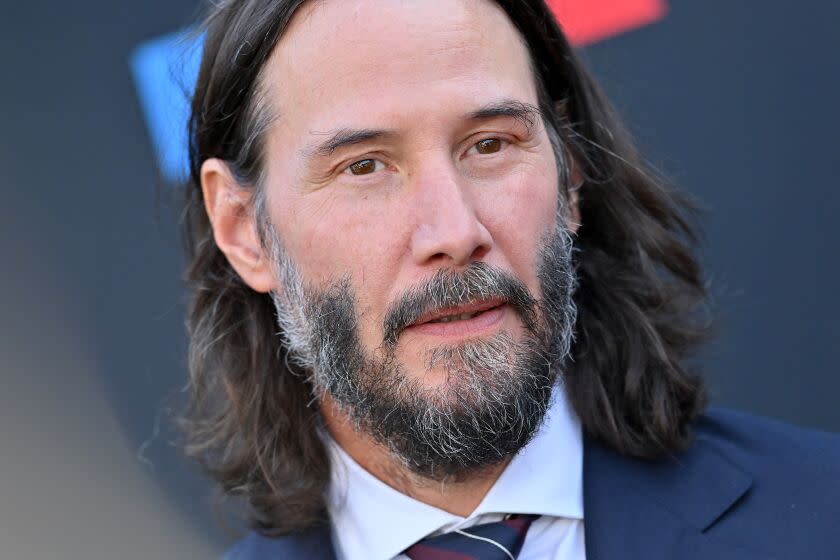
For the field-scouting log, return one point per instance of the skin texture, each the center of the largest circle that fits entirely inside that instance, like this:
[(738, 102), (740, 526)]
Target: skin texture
[(417, 69)]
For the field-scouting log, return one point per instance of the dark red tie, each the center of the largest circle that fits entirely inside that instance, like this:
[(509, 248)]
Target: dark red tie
[(501, 540)]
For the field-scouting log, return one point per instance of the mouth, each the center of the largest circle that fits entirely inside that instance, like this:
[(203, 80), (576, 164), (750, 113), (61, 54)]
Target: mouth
[(462, 320)]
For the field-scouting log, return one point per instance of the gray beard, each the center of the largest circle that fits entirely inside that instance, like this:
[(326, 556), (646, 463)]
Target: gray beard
[(497, 390)]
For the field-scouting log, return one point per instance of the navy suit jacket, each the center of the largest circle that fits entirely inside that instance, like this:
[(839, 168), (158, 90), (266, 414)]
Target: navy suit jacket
[(748, 488)]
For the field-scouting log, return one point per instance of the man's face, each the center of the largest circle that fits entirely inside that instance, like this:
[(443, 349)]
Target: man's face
[(409, 159)]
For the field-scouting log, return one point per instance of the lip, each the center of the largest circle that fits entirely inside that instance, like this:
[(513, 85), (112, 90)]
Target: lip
[(490, 313)]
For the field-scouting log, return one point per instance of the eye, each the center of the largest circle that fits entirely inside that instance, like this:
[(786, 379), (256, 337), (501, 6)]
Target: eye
[(489, 146), (364, 167)]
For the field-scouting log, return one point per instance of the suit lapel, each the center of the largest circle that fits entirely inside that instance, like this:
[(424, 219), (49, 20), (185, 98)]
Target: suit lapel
[(658, 510)]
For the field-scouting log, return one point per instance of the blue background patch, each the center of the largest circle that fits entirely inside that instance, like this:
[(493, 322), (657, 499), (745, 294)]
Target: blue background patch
[(165, 70)]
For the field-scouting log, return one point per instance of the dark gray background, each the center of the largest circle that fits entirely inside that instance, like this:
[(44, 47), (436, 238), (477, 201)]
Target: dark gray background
[(734, 100)]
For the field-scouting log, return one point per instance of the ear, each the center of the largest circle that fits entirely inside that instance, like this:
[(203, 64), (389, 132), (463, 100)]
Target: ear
[(228, 206), (573, 198)]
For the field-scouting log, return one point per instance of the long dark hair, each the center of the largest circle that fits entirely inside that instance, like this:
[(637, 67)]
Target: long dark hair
[(251, 422)]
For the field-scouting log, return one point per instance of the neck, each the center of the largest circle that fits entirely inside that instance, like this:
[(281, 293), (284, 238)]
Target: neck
[(457, 496)]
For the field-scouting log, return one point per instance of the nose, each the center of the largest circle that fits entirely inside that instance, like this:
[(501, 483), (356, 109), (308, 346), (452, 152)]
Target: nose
[(448, 227)]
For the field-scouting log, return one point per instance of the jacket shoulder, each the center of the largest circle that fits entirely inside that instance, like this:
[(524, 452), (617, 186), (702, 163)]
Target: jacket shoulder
[(759, 444), (314, 543), (794, 498), (246, 548)]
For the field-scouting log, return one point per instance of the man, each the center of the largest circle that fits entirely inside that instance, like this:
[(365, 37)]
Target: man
[(441, 308)]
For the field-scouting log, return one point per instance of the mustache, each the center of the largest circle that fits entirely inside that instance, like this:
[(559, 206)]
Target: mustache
[(479, 281)]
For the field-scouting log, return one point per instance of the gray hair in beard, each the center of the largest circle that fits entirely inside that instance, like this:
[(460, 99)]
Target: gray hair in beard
[(497, 390)]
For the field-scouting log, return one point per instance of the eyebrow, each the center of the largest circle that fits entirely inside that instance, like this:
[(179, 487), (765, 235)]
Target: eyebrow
[(525, 113), (346, 137)]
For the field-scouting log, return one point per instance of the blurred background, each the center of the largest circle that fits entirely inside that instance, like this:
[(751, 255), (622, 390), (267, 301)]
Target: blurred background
[(737, 101)]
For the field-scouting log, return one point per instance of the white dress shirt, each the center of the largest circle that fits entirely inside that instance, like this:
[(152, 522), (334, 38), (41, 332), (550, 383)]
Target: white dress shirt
[(372, 521)]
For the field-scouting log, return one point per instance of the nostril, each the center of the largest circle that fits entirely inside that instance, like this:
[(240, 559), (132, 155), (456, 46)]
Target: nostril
[(479, 253)]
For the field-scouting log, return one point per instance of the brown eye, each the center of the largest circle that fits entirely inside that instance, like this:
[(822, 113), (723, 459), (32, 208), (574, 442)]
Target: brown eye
[(363, 167), (488, 146)]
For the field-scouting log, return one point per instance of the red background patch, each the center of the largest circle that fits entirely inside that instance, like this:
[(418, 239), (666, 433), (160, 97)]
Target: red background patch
[(588, 21)]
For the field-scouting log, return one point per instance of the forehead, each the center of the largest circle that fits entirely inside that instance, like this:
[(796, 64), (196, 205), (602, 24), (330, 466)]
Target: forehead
[(356, 59)]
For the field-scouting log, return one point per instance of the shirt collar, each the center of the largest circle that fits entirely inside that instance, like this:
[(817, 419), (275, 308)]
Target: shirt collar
[(371, 520)]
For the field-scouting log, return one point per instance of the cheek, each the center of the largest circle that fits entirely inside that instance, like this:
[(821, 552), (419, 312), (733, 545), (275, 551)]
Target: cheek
[(331, 236), (520, 216)]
